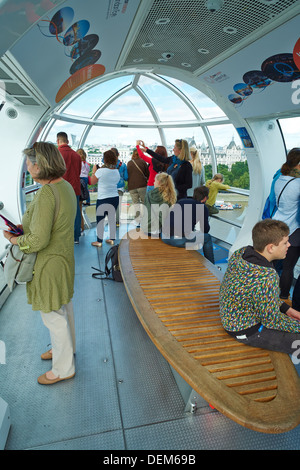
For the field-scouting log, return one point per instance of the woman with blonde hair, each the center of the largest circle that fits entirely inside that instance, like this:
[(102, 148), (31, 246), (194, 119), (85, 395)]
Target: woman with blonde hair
[(157, 204), (198, 171), (179, 166)]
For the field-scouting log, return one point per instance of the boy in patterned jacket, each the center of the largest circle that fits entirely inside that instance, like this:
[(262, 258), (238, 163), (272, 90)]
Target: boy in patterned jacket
[(250, 307)]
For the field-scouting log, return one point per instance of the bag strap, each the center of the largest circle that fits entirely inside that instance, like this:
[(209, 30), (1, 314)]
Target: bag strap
[(101, 274), (57, 200), (140, 170), (283, 190)]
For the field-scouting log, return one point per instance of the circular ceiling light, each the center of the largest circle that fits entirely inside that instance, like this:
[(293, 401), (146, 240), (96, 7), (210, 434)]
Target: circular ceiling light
[(162, 60), (230, 30), (12, 113), (203, 51), (162, 21), (137, 60), (167, 55), (185, 64), (268, 2), (148, 44)]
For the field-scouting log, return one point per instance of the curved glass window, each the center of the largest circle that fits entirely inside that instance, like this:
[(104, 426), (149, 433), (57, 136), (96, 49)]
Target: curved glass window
[(168, 105), (206, 107), (127, 107), (104, 138), (89, 102), (73, 130), (157, 110), (290, 130)]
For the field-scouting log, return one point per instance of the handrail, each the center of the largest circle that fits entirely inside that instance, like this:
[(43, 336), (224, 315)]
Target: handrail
[(221, 219)]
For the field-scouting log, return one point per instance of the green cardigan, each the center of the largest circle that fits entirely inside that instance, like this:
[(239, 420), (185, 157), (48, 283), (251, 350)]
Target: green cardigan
[(54, 271), (156, 211)]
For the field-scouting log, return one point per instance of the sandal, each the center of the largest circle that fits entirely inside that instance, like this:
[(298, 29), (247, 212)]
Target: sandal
[(47, 355), (98, 244)]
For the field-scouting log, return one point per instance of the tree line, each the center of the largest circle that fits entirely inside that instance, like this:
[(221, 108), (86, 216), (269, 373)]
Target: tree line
[(238, 176)]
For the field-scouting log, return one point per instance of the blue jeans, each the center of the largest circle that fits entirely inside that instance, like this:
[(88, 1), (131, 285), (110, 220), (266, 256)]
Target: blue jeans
[(106, 207), (85, 178), (77, 223), (208, 250)]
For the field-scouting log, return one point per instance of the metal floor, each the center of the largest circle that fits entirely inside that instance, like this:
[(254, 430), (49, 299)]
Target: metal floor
[(124, 395)]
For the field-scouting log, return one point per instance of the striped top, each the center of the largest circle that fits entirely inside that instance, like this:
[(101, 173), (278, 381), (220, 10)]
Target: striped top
[(249, 294)]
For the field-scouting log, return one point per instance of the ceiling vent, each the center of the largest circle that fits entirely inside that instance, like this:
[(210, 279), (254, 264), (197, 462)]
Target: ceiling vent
[(17, 86), (200, 37)]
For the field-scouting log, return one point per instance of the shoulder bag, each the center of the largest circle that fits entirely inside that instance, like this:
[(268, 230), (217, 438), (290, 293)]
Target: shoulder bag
[(141, 171), (19, 266)]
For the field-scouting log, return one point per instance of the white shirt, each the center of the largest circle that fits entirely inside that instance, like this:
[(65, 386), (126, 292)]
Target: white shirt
[(107, 182)]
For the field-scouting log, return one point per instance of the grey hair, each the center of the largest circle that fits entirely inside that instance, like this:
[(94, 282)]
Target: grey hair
[(48, 158)]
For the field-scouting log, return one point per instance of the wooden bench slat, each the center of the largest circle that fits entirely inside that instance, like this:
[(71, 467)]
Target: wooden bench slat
[(175, 295)]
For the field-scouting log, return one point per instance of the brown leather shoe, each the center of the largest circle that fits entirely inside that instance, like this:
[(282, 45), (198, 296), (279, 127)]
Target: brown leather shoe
[(47, 355), (42, 379)]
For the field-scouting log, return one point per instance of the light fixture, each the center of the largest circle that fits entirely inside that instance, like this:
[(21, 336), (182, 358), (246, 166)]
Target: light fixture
[(185, 64), (162, 21), (203, 51), (137, 60), (148, 44), (167, 55), (230, 30), (268, 2), (214, 5)]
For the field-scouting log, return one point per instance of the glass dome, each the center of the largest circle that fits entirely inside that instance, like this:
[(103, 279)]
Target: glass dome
[(151, 107)]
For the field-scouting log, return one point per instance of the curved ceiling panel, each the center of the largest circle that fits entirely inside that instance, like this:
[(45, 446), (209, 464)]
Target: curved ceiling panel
[(74, 45)]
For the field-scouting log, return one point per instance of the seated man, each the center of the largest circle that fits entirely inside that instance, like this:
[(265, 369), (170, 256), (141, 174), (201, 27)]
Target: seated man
[(179, 227), (250, 307)]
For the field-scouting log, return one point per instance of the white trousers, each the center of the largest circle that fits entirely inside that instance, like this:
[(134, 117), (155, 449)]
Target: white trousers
[(62, 333)]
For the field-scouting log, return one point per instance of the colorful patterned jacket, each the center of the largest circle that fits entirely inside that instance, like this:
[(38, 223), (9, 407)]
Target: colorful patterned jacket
[(249, 295)]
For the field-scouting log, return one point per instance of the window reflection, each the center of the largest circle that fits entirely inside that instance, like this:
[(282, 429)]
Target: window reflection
[(89, 102), (290, 130), (206, 107)]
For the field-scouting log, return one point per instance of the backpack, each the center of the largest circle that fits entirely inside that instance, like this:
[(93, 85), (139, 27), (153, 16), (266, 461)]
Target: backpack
[(111, 266), (269, 211)]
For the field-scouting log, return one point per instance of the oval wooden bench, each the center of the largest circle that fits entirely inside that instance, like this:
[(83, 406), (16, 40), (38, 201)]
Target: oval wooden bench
[(175, 295)]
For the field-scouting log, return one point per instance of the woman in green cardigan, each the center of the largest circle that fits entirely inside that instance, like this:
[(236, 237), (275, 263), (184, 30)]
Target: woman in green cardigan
[(48, 226)]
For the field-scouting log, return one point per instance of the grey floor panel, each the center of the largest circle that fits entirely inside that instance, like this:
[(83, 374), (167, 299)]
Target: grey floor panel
[(147, 391), (113, 440), (211, 431), (75, 408)]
